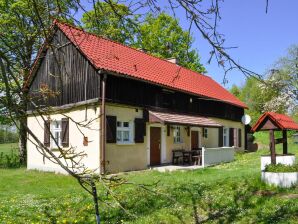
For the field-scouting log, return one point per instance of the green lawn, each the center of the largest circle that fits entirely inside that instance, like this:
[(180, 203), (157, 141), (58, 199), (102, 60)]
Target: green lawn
[(9, 148), (228, 193)]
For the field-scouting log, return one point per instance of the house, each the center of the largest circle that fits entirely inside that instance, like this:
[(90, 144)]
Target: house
[(146, 106)]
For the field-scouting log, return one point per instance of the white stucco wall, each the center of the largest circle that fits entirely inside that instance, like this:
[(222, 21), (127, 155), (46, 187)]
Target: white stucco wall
[(212, 156), (280, 179), (282, 159), (91, 159)]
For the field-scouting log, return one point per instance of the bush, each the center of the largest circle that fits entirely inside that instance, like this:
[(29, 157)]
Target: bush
[(281, 168), (11, 160)]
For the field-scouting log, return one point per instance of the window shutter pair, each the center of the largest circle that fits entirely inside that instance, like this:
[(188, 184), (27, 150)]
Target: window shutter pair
[(64, 132), (220, 137), (140, 130), (111, 129)]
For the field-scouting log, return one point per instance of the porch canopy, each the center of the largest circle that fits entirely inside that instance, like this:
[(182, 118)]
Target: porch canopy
[(180, 119), (271, 122)]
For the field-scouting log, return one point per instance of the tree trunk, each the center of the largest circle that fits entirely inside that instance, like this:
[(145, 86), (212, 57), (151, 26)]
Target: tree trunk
[(23, 141)]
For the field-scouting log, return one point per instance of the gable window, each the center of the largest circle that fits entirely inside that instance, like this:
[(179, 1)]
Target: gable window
[(56, 129), (225, 137), (177, 134), (124, 132)]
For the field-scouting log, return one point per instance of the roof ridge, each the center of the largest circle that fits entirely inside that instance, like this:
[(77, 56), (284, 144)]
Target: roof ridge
[(56, 21)]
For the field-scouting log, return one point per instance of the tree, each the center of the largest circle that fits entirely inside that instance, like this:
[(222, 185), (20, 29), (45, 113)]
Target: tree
[(159, 35), (162, 36), (21, 35), (235, 90), (114, 21)]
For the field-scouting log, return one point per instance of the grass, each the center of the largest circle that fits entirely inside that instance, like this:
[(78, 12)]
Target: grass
[(7, 148), (228, 193)]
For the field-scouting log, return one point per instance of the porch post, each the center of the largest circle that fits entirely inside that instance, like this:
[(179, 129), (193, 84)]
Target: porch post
[(285, 142), (272, 147)]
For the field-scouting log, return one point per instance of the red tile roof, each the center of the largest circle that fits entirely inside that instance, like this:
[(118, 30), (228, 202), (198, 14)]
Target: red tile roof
[(172, 118), (283, 122), (115, 57)]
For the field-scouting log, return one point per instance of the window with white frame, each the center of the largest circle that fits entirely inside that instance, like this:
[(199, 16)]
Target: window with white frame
[(225, 136), (177, 134), (56, 129), (124, 132)]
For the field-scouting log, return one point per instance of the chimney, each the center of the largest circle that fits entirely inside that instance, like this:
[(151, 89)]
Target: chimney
[(173, 60)]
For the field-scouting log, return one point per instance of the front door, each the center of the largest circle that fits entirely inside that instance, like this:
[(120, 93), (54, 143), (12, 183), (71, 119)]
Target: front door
[(155, 136), (194, 139)]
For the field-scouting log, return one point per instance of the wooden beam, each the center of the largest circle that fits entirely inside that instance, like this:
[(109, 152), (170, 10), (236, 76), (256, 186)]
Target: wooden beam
[(272, 147), (285, 142)]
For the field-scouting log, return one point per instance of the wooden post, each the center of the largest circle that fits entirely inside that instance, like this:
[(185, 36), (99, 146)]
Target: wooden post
[(103, 125), (285, 142), (272, 147)]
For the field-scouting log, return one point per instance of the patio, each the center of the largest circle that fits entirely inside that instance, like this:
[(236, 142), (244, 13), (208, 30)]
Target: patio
[(187, 160), (170, 168)]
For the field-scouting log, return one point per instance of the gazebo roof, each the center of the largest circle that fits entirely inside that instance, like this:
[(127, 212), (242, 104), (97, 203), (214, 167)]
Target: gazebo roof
[(274, 121)]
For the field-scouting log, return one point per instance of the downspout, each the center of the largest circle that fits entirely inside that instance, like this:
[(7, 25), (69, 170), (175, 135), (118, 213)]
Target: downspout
[(103, 125)]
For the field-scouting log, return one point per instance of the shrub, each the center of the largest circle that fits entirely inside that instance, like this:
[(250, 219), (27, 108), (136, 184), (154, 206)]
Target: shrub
[(281, 168), (11, 160)]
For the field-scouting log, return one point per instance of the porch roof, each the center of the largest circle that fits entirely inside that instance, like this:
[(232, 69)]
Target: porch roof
[(173, 118)]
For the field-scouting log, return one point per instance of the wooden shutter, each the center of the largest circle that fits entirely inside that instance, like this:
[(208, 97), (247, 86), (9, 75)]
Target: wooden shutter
[(168, 130), (65, 132), (46, 140), (111, 129), (231, 137), (220, 137), (203, 134), (140, 130), (239, 137)]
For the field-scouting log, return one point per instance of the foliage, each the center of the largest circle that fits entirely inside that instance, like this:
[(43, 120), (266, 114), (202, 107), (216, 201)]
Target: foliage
[(114, 21), (281, 168), (228, 193), (11, 160), (7, 136), (278, 92), (235, 90), (159, 35), (23, 28)]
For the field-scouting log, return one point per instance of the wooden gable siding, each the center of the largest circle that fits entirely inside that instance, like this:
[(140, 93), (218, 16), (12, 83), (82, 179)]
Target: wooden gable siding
[(135, 93), (67, 73)]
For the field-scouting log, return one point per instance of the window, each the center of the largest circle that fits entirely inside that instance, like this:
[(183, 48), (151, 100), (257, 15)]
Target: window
[(226, 137), (56, 130), (177, 134), (124, 132), (205, 132)]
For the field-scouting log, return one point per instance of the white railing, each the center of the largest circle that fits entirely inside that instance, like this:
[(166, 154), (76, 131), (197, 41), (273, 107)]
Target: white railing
[(212, 156)]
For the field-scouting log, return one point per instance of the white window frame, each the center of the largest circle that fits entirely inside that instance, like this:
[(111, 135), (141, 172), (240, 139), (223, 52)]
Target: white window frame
[(121, 129), (226, 133), (56, 132), (177, 137)]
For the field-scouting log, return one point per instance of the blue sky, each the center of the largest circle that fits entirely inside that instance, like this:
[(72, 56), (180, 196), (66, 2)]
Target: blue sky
[(261, 38)]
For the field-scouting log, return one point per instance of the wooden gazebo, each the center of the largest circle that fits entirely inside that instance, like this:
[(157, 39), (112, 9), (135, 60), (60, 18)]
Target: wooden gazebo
[(271, 122)]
